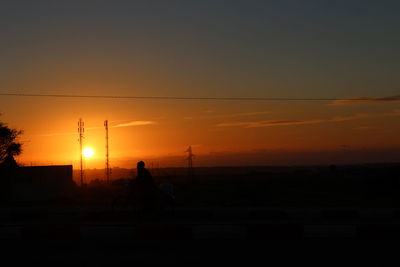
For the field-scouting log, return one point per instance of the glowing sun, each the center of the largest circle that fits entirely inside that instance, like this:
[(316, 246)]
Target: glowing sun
[(88, 152)]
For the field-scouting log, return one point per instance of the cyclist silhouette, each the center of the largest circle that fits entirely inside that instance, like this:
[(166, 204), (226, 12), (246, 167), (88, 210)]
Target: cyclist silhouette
[(144, 191)]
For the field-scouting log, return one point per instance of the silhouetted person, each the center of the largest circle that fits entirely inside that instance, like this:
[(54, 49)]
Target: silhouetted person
[(146, 195), (144, 190), (144, 176)]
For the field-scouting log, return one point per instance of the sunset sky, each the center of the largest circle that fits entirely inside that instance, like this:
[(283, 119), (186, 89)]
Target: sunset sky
[(284, 49)]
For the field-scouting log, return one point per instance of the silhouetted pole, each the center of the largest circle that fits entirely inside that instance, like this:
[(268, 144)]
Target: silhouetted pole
[(190, 161), (108, 171), (81, 131)]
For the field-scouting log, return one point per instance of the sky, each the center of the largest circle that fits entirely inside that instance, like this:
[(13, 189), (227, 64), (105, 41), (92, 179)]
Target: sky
[(289, 49)]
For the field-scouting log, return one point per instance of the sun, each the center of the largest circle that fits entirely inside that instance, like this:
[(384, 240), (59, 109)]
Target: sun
[(88, 152)]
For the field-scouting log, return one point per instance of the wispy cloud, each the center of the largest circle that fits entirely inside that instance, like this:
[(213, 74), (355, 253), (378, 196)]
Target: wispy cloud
[(365, 100), (355, 117), (72, 133), (365, 128), (120, 125), (134, 123), (232, 115), (271, 123), (251, 113)]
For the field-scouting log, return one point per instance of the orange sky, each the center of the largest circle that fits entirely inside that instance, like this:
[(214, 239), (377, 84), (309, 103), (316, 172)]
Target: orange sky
[(318, 49), (155, 130)]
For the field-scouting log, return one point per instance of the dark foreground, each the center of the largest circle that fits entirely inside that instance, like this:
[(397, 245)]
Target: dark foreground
[(201, 236), (200, 253), (313, 216)]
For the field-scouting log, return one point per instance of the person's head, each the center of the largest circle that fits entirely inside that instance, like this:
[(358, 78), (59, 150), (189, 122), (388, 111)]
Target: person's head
[(140, 165)]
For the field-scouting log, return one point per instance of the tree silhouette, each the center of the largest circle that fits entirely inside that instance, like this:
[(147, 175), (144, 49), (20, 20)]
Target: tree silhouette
[(9, 145)]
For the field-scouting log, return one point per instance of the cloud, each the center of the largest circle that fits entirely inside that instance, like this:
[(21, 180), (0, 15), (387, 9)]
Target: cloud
[(232, 115), (120, 125), (354, 117), (365, 100), (271, 123), (365, 128), (134, 123), (251, 113)]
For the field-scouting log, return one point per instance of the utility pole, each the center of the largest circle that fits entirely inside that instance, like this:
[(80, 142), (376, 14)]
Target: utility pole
[(190, 161), (108, 170), (81, 131)]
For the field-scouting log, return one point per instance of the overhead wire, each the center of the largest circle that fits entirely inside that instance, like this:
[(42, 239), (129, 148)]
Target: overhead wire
[(182, 97)]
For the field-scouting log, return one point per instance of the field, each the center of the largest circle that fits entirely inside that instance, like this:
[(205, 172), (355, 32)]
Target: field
[(224, 215), (366, 186)]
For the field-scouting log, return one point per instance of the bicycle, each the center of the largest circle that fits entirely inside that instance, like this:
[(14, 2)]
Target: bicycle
[(130, 203)]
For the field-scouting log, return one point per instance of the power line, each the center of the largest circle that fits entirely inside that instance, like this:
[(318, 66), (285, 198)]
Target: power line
[(180, 97), (277, 99)]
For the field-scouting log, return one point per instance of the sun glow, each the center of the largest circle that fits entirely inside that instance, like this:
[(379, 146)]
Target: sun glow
[(88, 152)]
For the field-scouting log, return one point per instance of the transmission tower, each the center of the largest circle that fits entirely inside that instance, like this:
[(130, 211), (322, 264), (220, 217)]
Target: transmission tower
[(108, 170), (81, 131), (190, 161)]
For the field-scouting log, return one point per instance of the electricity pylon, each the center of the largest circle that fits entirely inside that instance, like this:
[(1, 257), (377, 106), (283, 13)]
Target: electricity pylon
[(190, 161)]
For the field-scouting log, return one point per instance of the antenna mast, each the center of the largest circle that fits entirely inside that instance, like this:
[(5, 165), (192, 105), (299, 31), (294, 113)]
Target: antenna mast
[(108, 171), (81, 131)]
